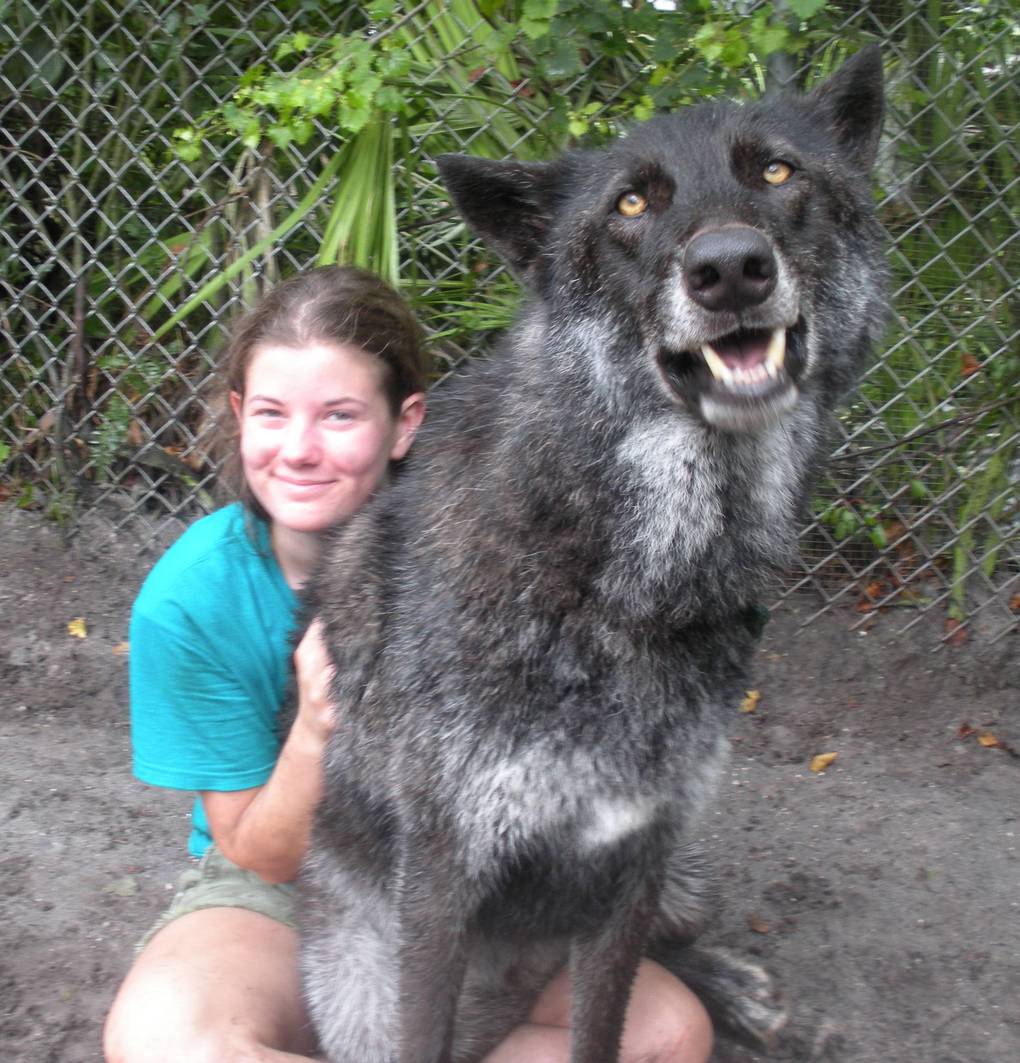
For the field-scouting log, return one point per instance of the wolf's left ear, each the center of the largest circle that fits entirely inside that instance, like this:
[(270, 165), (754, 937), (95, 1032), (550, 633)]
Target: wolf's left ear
[(852, 102), (509, 205)]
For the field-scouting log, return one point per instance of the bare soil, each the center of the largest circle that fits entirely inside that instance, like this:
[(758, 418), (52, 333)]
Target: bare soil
[(883, 892)]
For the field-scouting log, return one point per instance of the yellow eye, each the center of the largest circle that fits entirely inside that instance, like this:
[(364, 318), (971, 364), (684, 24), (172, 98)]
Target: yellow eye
[(777, 173), (631, 204)]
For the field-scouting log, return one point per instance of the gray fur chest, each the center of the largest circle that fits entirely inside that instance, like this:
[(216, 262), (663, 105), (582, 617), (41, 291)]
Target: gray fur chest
[(576, 800), (712, 516)]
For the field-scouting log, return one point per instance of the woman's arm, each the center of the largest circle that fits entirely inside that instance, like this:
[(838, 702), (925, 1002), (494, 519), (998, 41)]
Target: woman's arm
[(266, 829)]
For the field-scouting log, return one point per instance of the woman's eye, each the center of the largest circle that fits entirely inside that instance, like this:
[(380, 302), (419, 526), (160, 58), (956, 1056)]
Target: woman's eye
[(777, 172), (266, 412), (340, 416), (631, 204)]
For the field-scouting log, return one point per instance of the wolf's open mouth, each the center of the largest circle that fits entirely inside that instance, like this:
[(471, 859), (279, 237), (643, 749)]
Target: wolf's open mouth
[(743, 370)]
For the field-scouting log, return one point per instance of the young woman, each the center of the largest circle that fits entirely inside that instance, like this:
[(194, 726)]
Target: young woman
[(324, 390)]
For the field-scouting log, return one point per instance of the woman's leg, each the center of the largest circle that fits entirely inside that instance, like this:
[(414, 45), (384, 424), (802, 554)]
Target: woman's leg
[(666, 1023), (219, 985)]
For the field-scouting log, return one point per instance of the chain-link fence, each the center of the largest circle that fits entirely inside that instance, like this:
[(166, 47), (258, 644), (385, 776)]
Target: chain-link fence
[(137, 181)]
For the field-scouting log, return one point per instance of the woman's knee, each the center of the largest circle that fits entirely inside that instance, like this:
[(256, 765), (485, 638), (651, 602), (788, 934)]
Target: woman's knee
[(666, 1022), (214, 986), (150, 1022)]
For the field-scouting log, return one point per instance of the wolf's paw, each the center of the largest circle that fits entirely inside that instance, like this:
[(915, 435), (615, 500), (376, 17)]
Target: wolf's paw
[(741, 997)]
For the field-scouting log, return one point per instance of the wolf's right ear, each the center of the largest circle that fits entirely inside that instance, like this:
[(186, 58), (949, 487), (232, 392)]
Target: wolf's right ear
[(852, 101), (508, 204)]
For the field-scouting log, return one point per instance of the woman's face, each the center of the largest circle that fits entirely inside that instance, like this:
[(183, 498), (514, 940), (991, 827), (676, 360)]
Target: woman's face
[(317, 432)]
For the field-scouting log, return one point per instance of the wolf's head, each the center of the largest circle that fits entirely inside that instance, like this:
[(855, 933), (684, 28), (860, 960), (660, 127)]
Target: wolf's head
[(723, 260)]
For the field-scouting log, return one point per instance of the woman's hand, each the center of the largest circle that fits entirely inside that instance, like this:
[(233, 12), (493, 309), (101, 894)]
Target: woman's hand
[(266, 828), (316, 714)]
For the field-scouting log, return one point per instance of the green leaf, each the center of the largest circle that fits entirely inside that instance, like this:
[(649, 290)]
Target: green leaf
[(804, 9), (395, 64), (563, 59), (708, 43), (280, 135), (539, 8), (768, 37), (390, 98), (198, 14), (644, 109), (380, 10)]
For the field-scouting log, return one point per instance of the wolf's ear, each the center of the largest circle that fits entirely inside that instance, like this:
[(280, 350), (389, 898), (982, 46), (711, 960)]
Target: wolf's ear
[(509, 205), (852, 102)]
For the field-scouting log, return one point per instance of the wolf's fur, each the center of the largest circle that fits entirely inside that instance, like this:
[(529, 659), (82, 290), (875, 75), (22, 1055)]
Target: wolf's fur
[(543, 626)]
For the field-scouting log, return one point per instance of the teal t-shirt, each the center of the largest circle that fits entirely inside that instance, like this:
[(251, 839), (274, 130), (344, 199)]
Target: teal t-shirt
[(210, 661)]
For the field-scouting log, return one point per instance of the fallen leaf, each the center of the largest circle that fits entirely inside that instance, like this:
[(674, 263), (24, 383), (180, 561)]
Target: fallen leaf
[(121, 648), (956, 632), (750, 702), (969, 365), (989, 741), (1014, 603), (822, 761), (964, 730), (76, 627), (757, 924)]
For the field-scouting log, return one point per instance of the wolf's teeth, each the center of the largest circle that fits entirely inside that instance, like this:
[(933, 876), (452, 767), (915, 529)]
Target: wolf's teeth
[(717, 367), (775, 356)]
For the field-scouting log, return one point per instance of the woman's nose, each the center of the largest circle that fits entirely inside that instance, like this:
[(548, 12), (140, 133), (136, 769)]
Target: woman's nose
[(301, 444)]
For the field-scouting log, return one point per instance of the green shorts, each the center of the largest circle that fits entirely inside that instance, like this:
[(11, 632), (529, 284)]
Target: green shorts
[(216, 882)]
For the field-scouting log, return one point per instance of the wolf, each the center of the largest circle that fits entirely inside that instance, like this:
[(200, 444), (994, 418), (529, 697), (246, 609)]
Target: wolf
[(542, 627)]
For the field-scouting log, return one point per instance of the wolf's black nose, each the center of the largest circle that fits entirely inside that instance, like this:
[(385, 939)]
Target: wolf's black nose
[(730, 268)]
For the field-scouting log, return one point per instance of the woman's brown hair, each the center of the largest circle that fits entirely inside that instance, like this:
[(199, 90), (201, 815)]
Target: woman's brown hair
[(339, 305)]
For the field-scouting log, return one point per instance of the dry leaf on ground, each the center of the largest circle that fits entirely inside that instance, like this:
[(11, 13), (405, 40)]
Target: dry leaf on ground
[(822, 761), (750, 702)]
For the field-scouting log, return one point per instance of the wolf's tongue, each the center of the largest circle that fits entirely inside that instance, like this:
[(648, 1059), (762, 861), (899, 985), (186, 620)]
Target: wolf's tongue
[(741, 350)]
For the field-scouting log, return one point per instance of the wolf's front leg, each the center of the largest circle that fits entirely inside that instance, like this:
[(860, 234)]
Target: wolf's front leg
[(603, 963), (433, 902), (349, 961)]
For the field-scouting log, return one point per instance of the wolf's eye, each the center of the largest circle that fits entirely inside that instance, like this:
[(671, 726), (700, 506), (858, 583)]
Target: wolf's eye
[(631, 204), (777, 173)]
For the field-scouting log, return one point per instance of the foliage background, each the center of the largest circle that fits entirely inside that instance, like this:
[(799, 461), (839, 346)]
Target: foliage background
[(162, 162)]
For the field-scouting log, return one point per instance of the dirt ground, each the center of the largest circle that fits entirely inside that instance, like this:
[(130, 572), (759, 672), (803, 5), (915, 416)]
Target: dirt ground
[(884, 892)]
